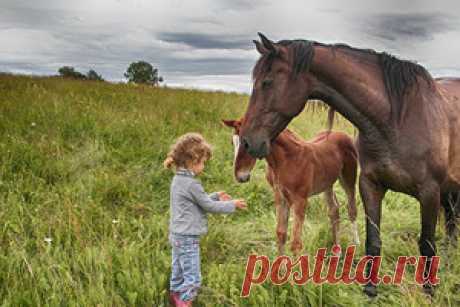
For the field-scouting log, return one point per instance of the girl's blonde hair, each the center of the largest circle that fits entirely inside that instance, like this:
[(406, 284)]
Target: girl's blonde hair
[(188, 149)]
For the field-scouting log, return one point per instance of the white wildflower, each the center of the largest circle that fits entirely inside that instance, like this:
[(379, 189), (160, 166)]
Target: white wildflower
[(48, 240)]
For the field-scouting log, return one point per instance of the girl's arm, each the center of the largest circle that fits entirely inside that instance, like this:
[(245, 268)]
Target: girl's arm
[(207, 203), (214, 196)]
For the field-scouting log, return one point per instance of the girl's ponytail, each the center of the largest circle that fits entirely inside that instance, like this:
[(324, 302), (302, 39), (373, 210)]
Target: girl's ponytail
[(168, 162)]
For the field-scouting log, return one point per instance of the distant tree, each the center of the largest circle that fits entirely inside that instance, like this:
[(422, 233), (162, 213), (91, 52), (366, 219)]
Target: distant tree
[(70, 72), (92, 75), (143, 72)]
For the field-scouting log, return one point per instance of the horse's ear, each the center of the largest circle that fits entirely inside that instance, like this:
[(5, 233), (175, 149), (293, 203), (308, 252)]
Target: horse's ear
[(229, 123), (260, 47), (268, 44)]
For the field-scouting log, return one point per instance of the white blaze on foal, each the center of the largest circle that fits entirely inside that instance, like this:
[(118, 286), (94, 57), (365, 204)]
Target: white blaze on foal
[(236, 146)]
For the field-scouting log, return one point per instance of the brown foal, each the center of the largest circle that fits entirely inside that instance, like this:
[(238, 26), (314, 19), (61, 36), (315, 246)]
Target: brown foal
[(298, 169)]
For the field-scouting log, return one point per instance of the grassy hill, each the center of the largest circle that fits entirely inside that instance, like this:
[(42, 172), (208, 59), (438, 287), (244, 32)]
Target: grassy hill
[(84, 203)]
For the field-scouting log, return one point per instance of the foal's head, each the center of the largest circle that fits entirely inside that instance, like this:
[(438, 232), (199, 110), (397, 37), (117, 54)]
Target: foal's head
[(243, 163)]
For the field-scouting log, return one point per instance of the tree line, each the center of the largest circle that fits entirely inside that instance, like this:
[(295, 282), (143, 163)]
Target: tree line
[(140, 72)]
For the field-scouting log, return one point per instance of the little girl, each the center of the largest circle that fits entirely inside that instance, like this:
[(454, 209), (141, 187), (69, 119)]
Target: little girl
[(189, 206)]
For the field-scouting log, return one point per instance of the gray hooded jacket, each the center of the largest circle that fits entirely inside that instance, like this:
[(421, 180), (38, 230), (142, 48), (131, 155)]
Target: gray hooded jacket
[(190, 205)]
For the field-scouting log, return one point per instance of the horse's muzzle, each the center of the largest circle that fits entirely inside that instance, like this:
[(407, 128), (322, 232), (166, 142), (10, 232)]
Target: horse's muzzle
[(241, 178)]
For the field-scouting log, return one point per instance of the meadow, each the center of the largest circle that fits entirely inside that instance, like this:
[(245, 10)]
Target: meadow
[(84, 203)]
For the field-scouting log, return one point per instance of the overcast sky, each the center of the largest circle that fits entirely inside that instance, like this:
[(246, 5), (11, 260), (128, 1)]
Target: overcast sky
[(208, 43)]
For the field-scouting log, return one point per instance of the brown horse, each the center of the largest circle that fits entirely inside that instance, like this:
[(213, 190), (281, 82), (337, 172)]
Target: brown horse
[(408, 122), (297, 170)]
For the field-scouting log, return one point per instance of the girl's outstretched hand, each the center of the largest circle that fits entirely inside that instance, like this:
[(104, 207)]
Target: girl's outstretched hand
[(240, 204), (224, 196)]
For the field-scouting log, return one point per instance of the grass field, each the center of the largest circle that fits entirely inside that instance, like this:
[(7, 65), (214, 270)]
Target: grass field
[(84, 203)]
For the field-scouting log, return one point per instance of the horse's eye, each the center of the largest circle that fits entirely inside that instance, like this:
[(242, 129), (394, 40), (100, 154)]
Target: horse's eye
[(266, 83)]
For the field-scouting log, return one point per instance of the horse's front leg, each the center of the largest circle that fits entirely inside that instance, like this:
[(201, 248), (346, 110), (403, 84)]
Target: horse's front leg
[(299, 205), (430, 200), (372, 195), (282, 217)]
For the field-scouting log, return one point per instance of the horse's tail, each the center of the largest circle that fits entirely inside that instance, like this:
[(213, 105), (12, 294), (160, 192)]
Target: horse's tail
[(350, 148), (349, 173), (353, 150)]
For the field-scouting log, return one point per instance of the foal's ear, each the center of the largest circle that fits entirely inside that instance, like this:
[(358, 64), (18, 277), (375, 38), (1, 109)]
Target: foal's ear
[(229, 123)]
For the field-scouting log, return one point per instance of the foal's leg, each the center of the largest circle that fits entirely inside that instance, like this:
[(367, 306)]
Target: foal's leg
[(282, 217), (430, 200), (333, 212), (372, 195), (299, 205)]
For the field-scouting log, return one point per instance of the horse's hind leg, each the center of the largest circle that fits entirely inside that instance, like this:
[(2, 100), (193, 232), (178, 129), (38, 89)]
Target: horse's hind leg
[(451, 205), (347, 180), (333, 212)]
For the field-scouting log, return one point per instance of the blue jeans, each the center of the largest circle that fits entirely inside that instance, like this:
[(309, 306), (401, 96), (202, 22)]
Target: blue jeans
[(185, 265)]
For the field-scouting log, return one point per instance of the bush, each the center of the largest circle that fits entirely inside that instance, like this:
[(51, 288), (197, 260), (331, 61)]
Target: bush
[(70, 72), (92, 75), (143, 72)]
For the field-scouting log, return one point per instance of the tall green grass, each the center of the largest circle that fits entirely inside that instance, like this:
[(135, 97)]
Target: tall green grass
[(84, 203)]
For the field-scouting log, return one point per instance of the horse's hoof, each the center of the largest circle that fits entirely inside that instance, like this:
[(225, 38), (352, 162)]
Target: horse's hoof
[(370, 290), (428, 289)]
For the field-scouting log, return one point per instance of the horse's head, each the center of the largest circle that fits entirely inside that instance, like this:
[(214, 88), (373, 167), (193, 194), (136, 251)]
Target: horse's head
[(281, 86), (243, 162)]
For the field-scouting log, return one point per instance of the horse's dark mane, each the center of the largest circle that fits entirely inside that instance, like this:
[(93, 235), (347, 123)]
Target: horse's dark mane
[(302, 54), (399, 76)]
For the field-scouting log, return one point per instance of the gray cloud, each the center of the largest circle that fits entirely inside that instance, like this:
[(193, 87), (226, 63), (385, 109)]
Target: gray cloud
[(209, 66), (18, 15), (208, 41), (243, 5), (407, 26)]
